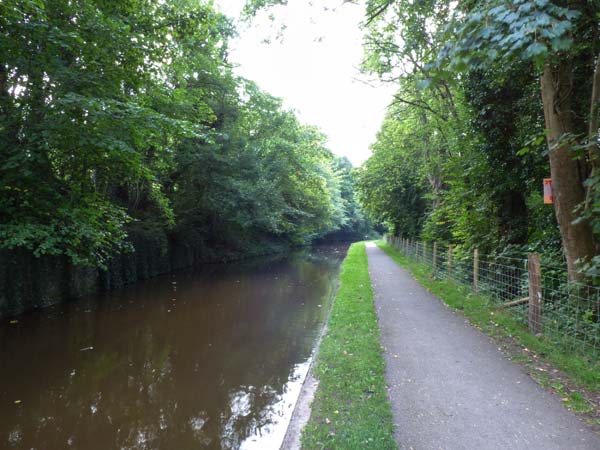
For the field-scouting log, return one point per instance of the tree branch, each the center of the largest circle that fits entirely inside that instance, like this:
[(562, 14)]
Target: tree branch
[(594, 116), (398, 99), (379, 11)]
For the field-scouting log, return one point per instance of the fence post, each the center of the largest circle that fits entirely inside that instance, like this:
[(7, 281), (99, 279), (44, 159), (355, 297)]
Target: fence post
[(449, 260), (535, 293), (434, 257), (425, 252), (476, 270)]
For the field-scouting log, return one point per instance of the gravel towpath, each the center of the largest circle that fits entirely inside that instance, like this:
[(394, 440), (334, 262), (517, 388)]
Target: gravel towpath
[(450, 387)]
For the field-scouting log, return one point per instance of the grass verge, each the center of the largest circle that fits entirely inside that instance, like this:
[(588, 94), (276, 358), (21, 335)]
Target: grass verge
[(351, 409), (575, 378)]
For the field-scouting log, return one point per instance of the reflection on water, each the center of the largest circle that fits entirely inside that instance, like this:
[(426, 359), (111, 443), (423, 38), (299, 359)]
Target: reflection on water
[(207, 359)]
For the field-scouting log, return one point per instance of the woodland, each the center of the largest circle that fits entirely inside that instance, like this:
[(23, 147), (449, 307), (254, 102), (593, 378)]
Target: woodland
[(125, 118), (493, 96)]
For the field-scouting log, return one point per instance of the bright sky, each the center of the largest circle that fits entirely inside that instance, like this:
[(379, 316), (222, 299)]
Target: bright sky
[(314, 68)]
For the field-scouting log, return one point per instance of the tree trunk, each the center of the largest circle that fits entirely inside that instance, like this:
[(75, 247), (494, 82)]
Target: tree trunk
[(567, 173), (593, 130)]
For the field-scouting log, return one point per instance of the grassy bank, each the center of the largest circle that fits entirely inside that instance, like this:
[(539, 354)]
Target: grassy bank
[(539, 355), (351, 409)]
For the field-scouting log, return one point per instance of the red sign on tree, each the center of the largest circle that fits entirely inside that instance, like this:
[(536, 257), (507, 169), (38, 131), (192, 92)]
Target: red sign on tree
[(548, 195)]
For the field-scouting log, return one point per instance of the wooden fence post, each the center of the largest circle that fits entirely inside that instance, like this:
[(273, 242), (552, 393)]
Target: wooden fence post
[(450, 259), (476, 270), (535, 293), (434, 257), (425, 252)]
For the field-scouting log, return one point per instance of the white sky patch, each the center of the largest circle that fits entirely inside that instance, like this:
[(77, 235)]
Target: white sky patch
[(314, 67)]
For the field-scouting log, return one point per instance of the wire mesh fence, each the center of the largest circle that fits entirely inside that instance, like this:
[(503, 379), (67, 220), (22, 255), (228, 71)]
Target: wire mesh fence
[(540, 298)]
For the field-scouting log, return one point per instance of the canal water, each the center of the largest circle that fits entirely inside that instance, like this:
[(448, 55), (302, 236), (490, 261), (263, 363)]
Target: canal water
[(212, 358)]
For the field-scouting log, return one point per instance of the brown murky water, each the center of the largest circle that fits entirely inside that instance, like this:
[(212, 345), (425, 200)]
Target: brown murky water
[(209, 359)]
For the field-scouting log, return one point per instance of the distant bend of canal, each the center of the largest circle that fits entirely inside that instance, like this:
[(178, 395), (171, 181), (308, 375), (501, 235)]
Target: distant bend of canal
[(211, 358)]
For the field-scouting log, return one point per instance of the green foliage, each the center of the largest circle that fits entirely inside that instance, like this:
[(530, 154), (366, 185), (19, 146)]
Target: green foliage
[(349, 218), (252, 7), (98, 228), (85, 115), (121, 118), (389, 186), (460, 158), (524, 29)]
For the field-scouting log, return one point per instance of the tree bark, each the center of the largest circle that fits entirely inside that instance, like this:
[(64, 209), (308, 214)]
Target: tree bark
[(568, 173), (593, 130), (594, 105)]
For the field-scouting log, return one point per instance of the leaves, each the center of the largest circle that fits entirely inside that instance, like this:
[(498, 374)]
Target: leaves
[(454, 159), (125, 119), (531, 30)]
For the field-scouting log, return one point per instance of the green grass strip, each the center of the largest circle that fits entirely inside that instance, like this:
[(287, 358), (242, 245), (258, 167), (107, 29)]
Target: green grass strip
[(351, 409), (498, 323)]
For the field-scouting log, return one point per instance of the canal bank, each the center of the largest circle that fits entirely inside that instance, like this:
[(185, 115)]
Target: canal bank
[(350, 407), (29, 282)]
